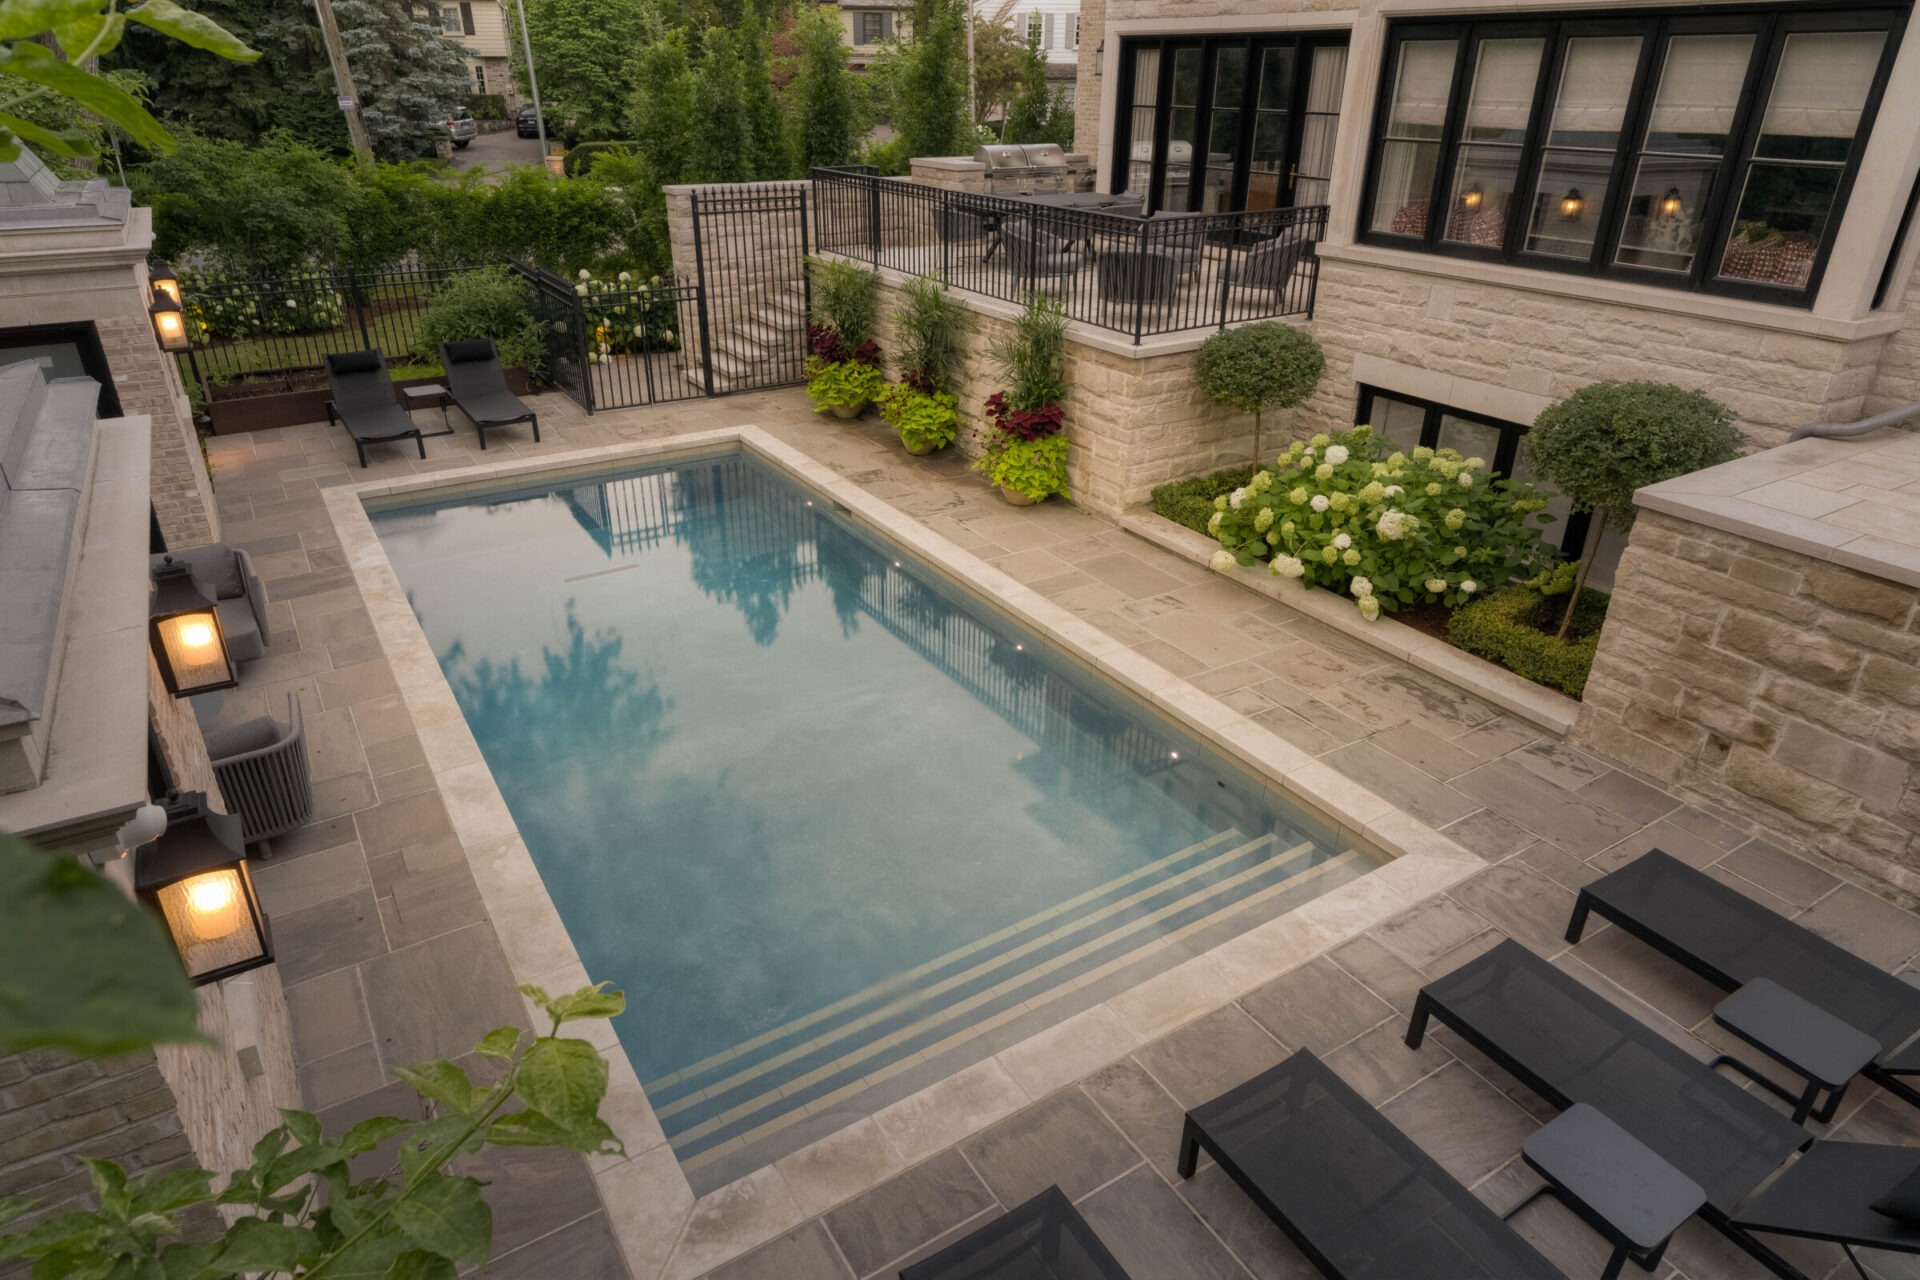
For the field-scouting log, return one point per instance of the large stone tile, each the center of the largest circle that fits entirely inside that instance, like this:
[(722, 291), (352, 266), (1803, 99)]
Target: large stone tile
[(1491, 836), (331, 935), (904, 1213), (1421, 935), (1153, 1232), (1870, 927), (582, 1250), (805, 1253), (1629, 796), (1459, 1119), (1379, 1065), (1677, 992), (1566, 767), (533, 1191), (410, 820), (1318, 1006), (1397, 695), (1780, 873), (1389, 777), (327, 1014), (1577, 825), (1210, 1055), (1063, 1141), (436, 999), (1141, 1109), (1521, 903), (1249, 1234), (329, 1081), (292, 884), (1130, 574), (1381, 971)]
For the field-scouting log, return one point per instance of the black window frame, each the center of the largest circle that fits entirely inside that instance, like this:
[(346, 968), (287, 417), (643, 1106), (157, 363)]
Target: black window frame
[(1771, 25), (1573, 531), (1300, 43)]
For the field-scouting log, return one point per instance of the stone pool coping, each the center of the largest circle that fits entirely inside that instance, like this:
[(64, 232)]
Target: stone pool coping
[(1538, 706), (663, 1228)]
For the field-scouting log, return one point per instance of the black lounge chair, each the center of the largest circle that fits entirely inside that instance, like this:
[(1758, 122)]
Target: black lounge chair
[(1352, 1192), (1730, 940), (478, 386), (363, 401), (1044, 1237), (1829, 1195), (1568, 1044)]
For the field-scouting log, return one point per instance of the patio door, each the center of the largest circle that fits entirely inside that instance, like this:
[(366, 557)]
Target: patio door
[(1227, 123)]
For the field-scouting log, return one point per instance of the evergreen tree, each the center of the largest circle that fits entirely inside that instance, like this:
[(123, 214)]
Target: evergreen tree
[(660, 116), (768, 153), (930, 97), (721, 132), (1039, 113), (826, 99), (584, 50), (999, 65), (408, 75)]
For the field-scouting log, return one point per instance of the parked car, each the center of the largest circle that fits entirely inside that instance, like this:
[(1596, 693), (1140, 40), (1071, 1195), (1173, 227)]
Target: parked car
[(526, 122), (458, 125)]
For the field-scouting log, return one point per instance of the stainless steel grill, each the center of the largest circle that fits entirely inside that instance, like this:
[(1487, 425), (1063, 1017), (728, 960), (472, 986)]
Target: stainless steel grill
[(1024, 168)]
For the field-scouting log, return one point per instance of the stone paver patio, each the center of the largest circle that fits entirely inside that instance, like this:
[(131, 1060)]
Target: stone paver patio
[(389, 957)]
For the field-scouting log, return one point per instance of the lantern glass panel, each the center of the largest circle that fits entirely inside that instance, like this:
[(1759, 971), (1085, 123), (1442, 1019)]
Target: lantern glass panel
[(195, 650), (211, 921)]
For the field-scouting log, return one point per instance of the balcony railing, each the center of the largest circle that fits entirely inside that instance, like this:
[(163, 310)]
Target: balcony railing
[(1136, 276)]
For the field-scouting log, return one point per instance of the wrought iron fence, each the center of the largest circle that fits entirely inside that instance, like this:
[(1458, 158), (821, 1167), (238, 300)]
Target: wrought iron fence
[(259, 327), (750, 248), (637, 348), (1108, 267)]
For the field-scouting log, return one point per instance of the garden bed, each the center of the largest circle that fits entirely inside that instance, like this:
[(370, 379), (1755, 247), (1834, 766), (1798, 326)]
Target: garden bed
[(299, 396), (1511, 628)]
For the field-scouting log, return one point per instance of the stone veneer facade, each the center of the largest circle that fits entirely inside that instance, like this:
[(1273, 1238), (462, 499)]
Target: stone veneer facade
[(1761, 679)]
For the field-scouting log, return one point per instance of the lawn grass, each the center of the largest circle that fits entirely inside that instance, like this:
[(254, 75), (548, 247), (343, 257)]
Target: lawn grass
[(232, 360)]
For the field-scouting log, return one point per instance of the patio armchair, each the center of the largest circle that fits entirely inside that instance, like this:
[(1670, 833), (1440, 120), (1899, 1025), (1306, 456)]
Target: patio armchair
[(478, 386), (262, 769), (1270, 267), (1731, 940), (363, 401), (1357, 1196), (1036, 253), (1127, 275), (239, 599)]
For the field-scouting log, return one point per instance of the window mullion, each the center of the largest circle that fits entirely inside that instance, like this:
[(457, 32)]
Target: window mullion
[(1532, 145), (1771, 41), (1619, 192), (1438, 199)]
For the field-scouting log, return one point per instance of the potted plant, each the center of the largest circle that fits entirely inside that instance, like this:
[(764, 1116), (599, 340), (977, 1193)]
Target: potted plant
[(1606, 440), (922, 406), (843, 364), (1259, 367), (1026, 451)]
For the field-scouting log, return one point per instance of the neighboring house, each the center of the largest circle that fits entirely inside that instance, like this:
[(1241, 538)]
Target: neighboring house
[(869, 24), (480, 26), (1525, 200)]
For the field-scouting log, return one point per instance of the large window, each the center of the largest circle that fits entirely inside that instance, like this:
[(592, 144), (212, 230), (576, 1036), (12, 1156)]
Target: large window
[(1227, 123), (1705, 152)]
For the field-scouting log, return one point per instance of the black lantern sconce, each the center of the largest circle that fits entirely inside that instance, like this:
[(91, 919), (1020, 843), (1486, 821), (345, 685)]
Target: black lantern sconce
[(183, 629), (169, 322), (194, 877), (160, 276), (1472, 198), (1670, 203), (1571, 204)]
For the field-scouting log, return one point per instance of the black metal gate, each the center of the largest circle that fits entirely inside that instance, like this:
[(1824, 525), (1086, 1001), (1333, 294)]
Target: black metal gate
[(750, 253), (558, 309)]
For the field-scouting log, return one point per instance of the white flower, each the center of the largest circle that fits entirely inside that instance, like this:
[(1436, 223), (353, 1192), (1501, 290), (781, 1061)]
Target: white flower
[(1213, 523), (1394, 525), (1369, 607), (1466, 480), (1320, 502), (580, 289), (1307, 452), (1222, 562), (666, 335), (1361, 588), (1286, 567), (291, 304), (585, 274), (1342, 541), (1336, 454), (639, 331), (1394, 491), (1436, 585), (625, 276), (1236, 498), (1468, 586)]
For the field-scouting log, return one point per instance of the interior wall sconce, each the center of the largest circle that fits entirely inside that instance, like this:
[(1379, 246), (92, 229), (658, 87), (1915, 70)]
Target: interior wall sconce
[(1472, 198), (183, 629), (1572, 203), (1670, 203), (194, 877)]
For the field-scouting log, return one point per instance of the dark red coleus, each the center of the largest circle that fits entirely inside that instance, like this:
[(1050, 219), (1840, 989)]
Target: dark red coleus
[(1025, 424), (825, 344)]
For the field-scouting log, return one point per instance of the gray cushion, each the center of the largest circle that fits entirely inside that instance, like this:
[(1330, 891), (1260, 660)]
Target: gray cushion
[(249, 735), (243, 633), (214, 566)]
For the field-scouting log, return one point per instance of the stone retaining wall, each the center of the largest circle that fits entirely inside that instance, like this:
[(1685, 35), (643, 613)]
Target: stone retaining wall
[(1781, 687)]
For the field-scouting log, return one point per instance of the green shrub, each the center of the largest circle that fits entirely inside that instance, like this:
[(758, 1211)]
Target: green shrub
[(1259, 367), (487, 106), (847, 384), (846, 300), (1190, 502), (581, 159), (1389, 529), (1029, 358), (627, 316), (929, 328), (1036, 468), (220, 305), (1506, 627), (489, 303), (925, 420)]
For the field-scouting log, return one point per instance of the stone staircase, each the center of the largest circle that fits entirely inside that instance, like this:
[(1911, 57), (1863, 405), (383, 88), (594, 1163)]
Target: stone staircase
[(749, 342)]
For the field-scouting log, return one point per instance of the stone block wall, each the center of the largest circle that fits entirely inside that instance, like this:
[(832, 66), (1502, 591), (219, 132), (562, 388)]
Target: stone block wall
[(1550, 345), (1897, 378), (1783, 688)]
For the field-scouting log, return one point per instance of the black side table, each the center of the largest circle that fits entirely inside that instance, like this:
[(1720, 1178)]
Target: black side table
[(1800, 1036), (1619, 1187), (432, 393)]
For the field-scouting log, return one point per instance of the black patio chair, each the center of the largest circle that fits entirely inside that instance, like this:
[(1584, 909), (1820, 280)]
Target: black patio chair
[(1569, 1044), (478, 386), (1032, 251), (1353, 1193), (363, 401), (238, 596), (1045, 1237), (1730, 940)]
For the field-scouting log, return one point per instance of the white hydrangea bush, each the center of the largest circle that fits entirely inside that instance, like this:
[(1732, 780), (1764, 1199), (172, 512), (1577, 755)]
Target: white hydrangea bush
[(1384, 528)]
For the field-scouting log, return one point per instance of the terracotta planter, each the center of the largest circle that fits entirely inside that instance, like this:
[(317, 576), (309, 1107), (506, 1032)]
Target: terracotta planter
[(1015, 498), (845, 411), (919, 451), (293, 408)]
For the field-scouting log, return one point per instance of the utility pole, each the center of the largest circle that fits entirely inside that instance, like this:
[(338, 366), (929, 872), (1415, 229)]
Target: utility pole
[(533, 85), (343, 80), (973, 99)]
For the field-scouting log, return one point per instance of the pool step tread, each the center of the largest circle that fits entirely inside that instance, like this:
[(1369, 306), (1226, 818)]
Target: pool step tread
[(969, 963), (869, 1062), (905, 979)]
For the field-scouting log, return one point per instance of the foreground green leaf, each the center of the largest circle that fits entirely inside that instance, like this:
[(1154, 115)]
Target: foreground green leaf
[(20, 19), (564, 1079), (448, 1216), (441, 1081), (38, 64), (190, 28), (254, 1244)]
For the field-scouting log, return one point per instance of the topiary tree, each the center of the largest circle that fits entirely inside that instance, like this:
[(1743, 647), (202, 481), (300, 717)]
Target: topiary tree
[(1259, 367), (1606, 440)]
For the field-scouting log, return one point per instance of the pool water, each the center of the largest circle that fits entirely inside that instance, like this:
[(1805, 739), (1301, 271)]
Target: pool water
[(832, 825)]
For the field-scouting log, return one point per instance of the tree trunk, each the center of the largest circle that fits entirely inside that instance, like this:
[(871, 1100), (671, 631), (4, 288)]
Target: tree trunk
[(1256, 437), (1580, 579)]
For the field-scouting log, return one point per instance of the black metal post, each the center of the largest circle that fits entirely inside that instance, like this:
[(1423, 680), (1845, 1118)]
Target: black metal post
[(359, 307), (700, 297)]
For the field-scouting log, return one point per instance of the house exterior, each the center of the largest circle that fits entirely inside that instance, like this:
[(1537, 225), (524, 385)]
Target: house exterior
[(869, 24), (480, 26), (1523, 200)]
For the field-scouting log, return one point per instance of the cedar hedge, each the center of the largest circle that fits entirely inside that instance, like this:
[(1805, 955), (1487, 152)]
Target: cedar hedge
[(1190, 502), (1505, 627)]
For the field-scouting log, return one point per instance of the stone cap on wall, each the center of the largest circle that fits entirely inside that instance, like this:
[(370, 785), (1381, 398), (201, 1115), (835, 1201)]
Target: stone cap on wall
[(1854, 503)]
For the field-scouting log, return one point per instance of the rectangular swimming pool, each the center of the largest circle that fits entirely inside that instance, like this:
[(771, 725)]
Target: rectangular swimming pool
[(835, 826)]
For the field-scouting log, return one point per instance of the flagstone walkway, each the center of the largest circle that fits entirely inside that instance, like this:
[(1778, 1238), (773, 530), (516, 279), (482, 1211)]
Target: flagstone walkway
[(389, 957)]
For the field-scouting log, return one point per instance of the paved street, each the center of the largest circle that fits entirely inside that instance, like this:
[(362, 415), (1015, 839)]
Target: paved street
[(494, 152)]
